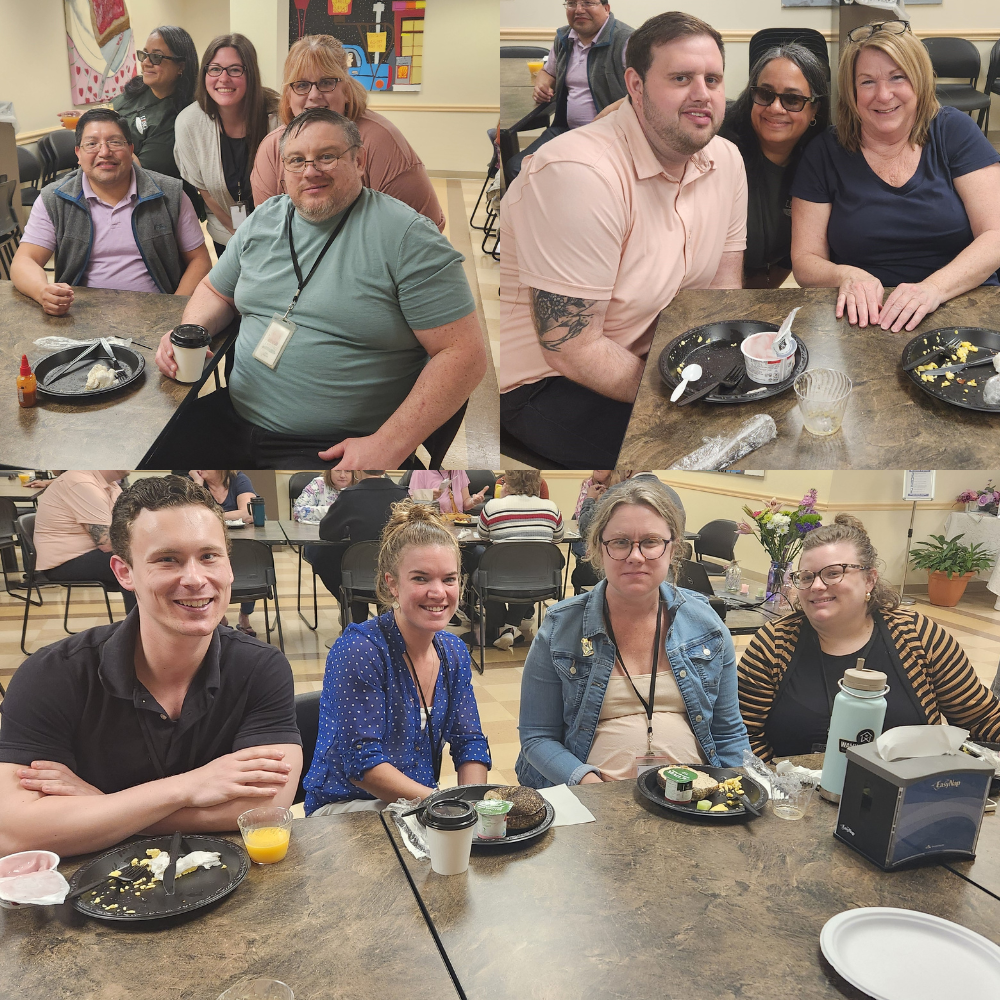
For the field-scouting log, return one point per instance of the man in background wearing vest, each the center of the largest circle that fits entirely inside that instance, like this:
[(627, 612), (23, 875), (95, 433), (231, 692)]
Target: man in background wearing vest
[(111, 223), (584, 71)]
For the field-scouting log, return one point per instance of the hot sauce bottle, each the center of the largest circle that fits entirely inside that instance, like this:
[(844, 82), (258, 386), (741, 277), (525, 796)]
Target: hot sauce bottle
[(26, 384)]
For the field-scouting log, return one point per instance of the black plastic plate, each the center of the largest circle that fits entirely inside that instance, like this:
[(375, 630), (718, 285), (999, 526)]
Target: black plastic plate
[(949, 390), (475, 793), (70, 388), (650, 789)]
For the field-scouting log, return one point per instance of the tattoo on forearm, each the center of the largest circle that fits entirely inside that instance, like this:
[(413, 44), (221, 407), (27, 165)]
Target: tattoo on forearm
[(99, 533), (559, 318)]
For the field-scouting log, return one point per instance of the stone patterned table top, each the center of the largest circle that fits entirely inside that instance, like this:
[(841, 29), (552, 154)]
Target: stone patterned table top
[(643, 906), (890, 423), (984, 871), (334, 919)]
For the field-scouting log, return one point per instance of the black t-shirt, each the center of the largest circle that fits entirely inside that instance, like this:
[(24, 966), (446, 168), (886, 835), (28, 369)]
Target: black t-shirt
[(78, 702), (236, 169), (769, 218)]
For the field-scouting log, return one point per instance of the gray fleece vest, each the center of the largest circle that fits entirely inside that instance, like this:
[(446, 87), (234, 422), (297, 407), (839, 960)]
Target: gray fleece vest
[(605, 67), (154, 226)]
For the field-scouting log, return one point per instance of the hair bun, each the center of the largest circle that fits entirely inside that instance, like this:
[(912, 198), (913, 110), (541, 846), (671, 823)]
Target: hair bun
[(850, 521)]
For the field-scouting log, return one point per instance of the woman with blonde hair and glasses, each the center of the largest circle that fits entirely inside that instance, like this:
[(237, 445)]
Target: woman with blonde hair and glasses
[(398, 687), (317, 76), (902, 192), (788, 674), (634, 668)]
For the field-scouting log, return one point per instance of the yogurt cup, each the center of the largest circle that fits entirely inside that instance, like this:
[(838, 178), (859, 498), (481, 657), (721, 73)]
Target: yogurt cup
[(24, 863), (763, 366), (190, 343), (450, 826), (492, 815)]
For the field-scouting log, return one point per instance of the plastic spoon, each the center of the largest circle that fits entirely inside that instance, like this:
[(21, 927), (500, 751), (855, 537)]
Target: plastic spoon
[(690, 373)]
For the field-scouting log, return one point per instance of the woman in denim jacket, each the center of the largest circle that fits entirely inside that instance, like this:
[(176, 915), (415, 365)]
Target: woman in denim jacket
[(583, 718)]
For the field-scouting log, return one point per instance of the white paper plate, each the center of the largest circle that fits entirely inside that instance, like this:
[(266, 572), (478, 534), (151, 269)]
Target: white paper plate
[(894, 954)]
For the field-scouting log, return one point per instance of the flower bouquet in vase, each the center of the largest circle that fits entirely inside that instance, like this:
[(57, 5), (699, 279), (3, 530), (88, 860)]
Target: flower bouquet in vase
[(984, 501), (781, 532)]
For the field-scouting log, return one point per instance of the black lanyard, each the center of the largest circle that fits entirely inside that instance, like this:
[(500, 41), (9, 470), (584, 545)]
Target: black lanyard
[(322, 253), (435, 747), (647, 705)]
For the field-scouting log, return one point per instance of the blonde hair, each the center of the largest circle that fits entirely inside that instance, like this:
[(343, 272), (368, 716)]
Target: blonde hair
[(523, 482), (325, 56), (910, 55), (410, 524), (635, 494), (847, 528)]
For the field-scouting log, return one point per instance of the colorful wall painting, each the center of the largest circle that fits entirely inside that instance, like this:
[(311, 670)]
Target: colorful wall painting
[(101, 49)]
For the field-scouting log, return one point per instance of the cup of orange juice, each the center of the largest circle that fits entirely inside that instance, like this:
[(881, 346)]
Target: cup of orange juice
[(534, 65), (265, 833), (25, 478)]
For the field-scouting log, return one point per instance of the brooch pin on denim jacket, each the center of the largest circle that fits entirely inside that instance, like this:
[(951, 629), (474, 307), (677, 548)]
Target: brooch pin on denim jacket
[(587, 646)]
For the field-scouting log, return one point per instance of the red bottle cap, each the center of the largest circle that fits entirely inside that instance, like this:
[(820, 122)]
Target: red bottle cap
[(25, 367)]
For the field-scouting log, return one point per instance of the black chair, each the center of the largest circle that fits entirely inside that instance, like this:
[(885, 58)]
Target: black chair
[(809, 38), (718, 539), (8, 545), (358, 569), (992, 86), (523, 52), (507, 138), (297, 482), (692, 576), (478, 478), (254, 579), (58, 151), (307, 719), (519, 572), (10, 228), (35, 578), (29, 171), (492, 169), (957, 58)]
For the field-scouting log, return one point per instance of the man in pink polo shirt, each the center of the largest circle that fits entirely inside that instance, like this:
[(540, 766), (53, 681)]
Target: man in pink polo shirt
[(111, 223), (600, 231)]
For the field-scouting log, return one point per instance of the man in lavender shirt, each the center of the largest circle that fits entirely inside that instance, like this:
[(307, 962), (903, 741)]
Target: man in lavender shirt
[(115, 225)]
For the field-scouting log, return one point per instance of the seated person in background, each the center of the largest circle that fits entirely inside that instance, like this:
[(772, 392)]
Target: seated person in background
[(788, 674), (72, 522), (317, 76), (453, 497), (359, 515), (592, 489), (584, 71), (232, 491), (379, 350), (903, 192), (399, 687), (318, 496), (158, 723), (580, 292), (589, 505), (646, 656), (111, 223), (520, 515)]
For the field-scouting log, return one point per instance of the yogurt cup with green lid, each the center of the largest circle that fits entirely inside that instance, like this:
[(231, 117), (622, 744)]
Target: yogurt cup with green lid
[(492, 815)]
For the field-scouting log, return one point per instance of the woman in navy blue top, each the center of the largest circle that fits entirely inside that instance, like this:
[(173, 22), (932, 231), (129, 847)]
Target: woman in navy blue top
[(901, 193), (398, 687)]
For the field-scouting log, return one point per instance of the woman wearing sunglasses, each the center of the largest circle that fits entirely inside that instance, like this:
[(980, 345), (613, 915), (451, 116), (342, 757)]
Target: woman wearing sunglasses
[(317, 76), (634, 668), (218, 135), (788, 674), (903, 192), (785, 105)]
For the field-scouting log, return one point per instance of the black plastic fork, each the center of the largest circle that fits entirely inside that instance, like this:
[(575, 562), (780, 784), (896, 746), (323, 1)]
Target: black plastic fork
[(727, 381)]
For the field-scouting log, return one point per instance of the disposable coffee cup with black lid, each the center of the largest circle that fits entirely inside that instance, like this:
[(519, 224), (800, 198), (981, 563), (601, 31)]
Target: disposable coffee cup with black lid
[(190, 343), (450, 826)]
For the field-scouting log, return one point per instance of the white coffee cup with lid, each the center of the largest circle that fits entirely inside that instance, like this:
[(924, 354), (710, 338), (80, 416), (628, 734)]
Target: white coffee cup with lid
[(450, 826), (190, 343)]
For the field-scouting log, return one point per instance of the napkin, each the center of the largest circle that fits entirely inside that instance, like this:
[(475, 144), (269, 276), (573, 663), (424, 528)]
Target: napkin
[(920, 741), (569, 809), (808, 774)]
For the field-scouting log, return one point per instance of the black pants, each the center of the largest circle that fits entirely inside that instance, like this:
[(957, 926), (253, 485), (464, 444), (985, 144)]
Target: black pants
[(513, 166), (94, 565), (325, 559), (566, 422)]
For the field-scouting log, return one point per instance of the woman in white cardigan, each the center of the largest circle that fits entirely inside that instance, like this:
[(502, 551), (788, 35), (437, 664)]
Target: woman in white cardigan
[(216, 137)]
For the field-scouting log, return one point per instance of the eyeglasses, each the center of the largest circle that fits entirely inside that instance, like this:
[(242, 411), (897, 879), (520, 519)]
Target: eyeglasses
[(115, 144), (867, 30), (154, 57), (324, 86), (620, 549), (326, 162), (764, 96), (584, 4), (235, 71), (803, 579)]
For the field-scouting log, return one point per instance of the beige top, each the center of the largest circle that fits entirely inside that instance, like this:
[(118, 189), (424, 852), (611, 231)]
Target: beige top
[(594, 215), (621, 731), (68, 505)]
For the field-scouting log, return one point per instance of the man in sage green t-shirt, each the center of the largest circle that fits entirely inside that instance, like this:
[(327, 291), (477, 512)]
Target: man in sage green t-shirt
[(386, 345)]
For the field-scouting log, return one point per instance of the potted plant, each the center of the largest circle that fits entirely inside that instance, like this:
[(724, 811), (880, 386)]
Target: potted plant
[(950, 565), (984, 501)]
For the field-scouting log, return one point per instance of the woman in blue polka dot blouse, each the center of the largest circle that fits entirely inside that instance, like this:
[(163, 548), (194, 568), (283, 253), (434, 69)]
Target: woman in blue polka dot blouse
[(398, 687)]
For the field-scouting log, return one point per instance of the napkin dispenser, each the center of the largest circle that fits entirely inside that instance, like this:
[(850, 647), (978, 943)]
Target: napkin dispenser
[(903, 811)]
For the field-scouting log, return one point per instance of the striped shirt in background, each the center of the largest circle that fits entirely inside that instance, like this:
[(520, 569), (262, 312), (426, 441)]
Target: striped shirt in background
[(521, 519)]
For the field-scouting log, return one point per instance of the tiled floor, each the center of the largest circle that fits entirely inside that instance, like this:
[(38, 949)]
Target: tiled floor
[(975, 623)]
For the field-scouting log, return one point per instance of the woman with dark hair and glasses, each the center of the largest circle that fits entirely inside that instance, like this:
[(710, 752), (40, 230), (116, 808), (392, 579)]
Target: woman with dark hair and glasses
[(634, 668), (786, 103), (218, 135), (788, 674)]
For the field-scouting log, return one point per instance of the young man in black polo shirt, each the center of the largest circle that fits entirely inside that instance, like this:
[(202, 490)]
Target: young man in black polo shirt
[(161, 722)]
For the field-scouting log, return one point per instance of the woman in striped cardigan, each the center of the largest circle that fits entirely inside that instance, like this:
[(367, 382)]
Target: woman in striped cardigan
[(788, 674)]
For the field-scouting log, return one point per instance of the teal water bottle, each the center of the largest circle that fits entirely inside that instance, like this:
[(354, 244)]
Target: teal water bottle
[(858, 715)]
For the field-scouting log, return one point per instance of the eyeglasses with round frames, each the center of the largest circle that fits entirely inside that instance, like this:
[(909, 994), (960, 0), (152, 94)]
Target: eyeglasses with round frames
[(327, 162), (803, 579), (859, 34), (764, 96), (115, 144), (620, 549), (235, 71), (141, 55), (324, 86)]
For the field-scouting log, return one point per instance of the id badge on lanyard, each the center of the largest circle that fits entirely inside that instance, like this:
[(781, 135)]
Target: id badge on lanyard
[(238, 214), (274, 341)]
